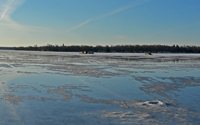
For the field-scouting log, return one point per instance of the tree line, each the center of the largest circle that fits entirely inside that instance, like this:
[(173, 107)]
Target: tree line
[(115, 48)]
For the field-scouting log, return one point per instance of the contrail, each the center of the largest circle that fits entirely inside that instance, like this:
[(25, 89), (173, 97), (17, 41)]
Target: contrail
[(76, 27), (6, 9), (136, 3)]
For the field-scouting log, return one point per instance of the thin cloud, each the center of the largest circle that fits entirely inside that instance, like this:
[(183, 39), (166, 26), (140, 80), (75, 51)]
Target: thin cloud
[(136, 3), (6, 7), (14, 34), (7, 24)]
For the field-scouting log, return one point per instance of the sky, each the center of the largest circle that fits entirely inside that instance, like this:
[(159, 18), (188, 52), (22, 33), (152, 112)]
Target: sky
[(99, 22)]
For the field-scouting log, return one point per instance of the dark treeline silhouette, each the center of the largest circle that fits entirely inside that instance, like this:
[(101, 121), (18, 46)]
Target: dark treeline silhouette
[(115, 48), (7, 48)]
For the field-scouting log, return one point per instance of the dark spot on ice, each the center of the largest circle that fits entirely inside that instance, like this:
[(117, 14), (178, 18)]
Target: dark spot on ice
[(168, 104), (153, 102)]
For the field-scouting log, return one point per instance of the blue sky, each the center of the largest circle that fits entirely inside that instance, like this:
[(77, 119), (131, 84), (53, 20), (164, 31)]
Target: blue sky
[(99, 22)]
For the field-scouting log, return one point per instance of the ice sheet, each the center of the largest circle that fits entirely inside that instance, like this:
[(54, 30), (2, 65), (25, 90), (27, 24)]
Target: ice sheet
[(103, 88)]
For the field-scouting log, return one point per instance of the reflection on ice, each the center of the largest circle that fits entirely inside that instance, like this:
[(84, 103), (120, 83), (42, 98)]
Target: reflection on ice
[(16, 99), (64, 91), (68, 88), (162, 87)]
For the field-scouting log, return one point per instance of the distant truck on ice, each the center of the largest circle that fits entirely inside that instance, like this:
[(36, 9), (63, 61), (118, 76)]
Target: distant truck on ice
[(148, 54), (86, 52)]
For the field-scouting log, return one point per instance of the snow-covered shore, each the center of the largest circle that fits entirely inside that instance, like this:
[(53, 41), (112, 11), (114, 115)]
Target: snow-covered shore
[(138, 55)]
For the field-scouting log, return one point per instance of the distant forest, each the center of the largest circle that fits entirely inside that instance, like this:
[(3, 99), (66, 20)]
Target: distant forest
[(115, 48)]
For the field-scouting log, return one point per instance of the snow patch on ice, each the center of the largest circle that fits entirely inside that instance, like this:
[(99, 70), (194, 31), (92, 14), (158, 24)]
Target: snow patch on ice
[(154, 103)]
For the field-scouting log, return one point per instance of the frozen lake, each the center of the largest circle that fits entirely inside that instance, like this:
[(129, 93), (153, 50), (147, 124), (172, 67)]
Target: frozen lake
[(58, 88)]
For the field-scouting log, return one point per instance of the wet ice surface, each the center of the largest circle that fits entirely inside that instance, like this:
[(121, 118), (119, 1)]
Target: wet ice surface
[(68, 88)]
